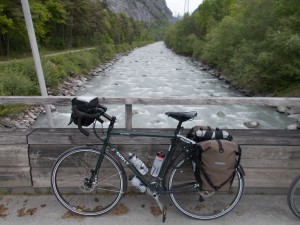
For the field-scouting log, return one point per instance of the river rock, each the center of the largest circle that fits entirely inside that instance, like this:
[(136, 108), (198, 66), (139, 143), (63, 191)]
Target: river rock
[(282, 109), (292, 127), (99, 70), (156, 121), (215, 95), (295, 116), (32, 115), (226, 79), (109, 64), (294, 110), (204, 67), (21, 126), (67, 83), (6, 122), (221, 114), (251, 124), (94, 74)]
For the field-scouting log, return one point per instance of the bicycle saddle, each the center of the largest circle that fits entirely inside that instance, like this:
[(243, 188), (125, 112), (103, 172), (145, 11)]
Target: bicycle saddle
[(182, 116)]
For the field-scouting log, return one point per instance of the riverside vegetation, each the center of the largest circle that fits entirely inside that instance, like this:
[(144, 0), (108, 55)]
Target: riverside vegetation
[(256, 43), (62, 25)]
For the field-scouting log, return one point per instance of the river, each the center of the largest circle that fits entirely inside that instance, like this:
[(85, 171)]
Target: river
[(155, 71)]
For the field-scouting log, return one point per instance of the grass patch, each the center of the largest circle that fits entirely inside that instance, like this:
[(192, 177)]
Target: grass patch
[(293, 91), (12, 110)]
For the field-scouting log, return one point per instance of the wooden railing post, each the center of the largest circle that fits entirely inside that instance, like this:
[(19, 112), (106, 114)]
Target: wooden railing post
[(128, 117)]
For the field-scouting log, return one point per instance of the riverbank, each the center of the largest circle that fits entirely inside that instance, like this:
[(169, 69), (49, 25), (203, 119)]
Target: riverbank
[(290, 111), (67, 87), (145, 66)]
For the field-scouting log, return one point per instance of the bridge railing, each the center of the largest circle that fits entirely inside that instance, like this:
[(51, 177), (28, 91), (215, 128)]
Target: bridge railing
[(129, 102), (271, 158)]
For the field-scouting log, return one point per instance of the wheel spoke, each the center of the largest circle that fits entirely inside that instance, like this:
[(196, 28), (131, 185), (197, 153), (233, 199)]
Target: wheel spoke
[(199, 204), (69, 177)]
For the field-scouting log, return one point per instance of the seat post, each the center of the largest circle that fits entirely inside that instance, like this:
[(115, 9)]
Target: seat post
[(178, 127)]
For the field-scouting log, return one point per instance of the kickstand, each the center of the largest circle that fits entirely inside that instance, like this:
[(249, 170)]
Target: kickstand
[(164, 216), (162, 208)]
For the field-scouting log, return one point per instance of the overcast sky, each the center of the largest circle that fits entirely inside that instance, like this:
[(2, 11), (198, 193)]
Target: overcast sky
[(177, 6)]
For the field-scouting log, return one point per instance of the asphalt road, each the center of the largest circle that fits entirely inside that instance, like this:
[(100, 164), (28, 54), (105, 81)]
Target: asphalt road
[(141, 209)]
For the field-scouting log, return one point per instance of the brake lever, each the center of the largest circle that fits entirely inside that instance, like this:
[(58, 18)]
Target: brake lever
[(86, 133)]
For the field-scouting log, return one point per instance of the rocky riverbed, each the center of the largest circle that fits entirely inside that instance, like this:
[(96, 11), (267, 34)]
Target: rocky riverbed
[(290, 111), (72, 84)]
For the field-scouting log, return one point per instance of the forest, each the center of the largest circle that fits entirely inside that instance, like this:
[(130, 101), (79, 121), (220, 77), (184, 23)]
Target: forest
[(256, 43), (62, 25)]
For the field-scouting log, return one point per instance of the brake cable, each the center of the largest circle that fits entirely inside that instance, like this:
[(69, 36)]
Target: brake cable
[(95, 132)]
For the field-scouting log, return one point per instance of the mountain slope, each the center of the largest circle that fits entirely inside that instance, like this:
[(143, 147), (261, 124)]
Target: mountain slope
[(144, 10)]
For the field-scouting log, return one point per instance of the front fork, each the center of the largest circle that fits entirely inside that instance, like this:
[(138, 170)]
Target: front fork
[(89, 182)]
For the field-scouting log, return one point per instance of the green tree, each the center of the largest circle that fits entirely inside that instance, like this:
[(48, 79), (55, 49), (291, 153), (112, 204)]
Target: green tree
[(40, 17), (222, 41), (177, 36), (55, 23), (61, 24), (256, 42), (210, 13), (6, 25), (13, 29)]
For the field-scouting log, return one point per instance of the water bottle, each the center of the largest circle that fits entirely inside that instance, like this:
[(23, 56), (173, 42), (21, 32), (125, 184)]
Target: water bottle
[(138, 184), (159, 158), (138, 164)]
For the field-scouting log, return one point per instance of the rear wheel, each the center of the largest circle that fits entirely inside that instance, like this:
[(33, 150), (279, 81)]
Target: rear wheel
[(80, 192), (293, 196), (190, 200)]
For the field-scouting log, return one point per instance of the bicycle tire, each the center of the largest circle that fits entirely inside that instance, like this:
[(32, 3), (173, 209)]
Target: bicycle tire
[(69, 176), (187, 198), (293, 197)]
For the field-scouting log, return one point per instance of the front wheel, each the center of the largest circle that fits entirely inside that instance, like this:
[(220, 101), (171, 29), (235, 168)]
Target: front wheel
[(80, 188), (293, 196), (191, 201)]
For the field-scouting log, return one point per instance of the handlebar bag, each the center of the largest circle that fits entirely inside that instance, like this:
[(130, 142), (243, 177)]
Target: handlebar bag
[(85, 105), (214, 164)]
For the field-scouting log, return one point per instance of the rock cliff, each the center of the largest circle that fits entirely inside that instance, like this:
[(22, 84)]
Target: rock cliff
[(144, 10)]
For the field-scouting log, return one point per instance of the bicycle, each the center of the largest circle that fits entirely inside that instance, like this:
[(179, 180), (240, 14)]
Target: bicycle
[(90, 181), (293, 196)]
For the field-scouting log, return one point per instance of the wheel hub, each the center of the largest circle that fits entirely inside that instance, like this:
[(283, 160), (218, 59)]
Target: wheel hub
[(88, 185)]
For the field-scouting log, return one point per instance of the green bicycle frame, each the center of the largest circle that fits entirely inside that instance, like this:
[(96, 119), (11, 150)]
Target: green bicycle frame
[(172, 147)]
